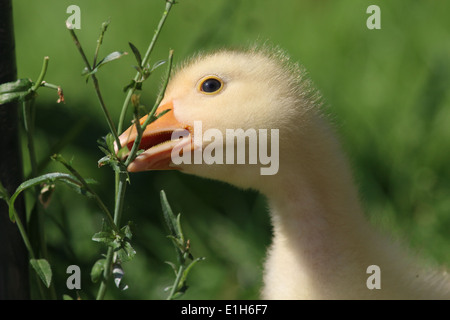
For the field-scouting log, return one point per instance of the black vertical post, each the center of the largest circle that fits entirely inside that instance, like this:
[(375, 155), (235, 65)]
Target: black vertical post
[(14, 279)]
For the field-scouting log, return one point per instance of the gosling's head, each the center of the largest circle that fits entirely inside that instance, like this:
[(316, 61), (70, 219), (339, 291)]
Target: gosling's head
[(241, 93)]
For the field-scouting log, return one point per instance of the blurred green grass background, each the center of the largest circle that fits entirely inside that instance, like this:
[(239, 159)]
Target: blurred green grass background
[(387, 91)]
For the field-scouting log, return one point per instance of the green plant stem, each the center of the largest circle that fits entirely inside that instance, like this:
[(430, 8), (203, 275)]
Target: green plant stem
[(29, 116), (112, 127), (29, 113), (31, 254), (97, 199), (122, 178), (176, 283), (145, 60), (140, 128), (99, 42), (121, 182), (117, 217), (49, 85), (24, 235), (162, 91), (181, 274), (38, 82), (106, 273)]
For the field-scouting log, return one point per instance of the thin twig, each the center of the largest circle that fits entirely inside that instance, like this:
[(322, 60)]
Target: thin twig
[(145, 60), (99, 42), (97, 199), (29, 112), (38, 82), (112, 127), (140, 128), (29, 116), (122, 178), (174, 288)]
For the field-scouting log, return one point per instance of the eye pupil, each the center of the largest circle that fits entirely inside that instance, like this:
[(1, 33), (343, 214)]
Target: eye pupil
[(211, 85)]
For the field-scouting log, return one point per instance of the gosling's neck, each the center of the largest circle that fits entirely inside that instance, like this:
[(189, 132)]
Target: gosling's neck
[(322, 243)]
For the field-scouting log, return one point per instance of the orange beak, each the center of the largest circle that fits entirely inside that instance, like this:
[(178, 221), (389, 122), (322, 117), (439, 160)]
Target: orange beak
[(156, 141)]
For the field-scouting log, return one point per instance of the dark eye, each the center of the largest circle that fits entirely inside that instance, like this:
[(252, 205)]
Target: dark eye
[(211, 85)]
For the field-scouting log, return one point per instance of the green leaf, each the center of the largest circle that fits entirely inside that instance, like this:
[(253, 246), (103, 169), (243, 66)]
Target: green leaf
[(129, 85), (110, 57), (126, 252), (104, 150), (67, 297), (123, 152), (107, 235), (79, 188), (80, 185), (137, 54), (189, 268), (105, 25), (110, 142), (103, 161), (140, 152), (103, 145), (91, 181), (157, 65), (20, 85), (106, 145), (97, 270), (177, 243), (174, 267), (126, 231), (49, 177), (178, 228), (169, 217), (115, 164), (179, 293), (118, 241), (19, 90), (16, 96), (43, 270)]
